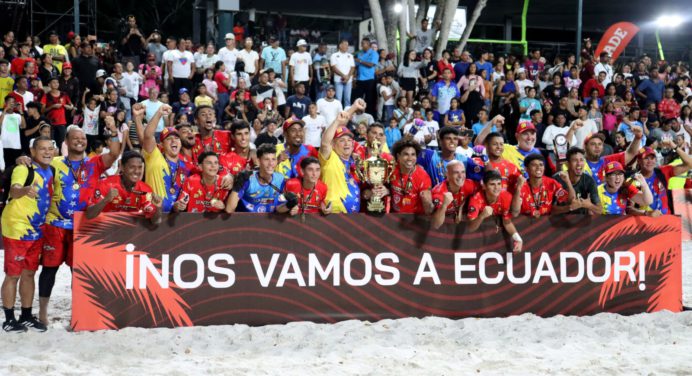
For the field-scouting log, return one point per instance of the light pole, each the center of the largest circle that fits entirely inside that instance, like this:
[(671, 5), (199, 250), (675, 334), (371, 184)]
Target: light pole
[(666, 21)]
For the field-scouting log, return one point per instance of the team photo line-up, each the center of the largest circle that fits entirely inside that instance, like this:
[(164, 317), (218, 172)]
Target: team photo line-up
[(86, 127)]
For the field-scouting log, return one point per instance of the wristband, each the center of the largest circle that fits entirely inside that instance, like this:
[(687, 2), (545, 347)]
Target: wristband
[(517, 238)]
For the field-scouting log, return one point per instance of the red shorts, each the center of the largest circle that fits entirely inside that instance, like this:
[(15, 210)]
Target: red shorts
[(57, 246), (20, 255)]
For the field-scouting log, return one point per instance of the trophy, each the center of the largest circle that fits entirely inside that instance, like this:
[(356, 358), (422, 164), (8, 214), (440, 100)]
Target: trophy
[(375, 171), (560, 146)]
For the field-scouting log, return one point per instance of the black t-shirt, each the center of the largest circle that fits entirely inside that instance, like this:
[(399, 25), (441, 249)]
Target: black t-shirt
[(84, 68), (554, 93), (133, 45), (265, 138), (585, 187), (71, 88), (31, 123), (262, 92)]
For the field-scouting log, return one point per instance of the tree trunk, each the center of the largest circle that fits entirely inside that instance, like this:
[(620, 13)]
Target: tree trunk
[(472, 22), (450, 8), (412, 15), (402, 35), (391, 25), (438, 12), (423, 8), (378, 23)]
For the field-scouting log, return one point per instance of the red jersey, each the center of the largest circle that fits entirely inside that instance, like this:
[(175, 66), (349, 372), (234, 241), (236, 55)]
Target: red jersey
[(56, 116), (200, 196), (509, 172), (17, 66), (309, 200), (501, 207), (219, 142), (469, 188), (234, 163), (364, 153), (138, 200), (406, 190), (541, 200)]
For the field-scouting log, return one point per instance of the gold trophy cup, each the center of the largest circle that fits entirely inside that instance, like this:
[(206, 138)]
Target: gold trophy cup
[(375, 171)]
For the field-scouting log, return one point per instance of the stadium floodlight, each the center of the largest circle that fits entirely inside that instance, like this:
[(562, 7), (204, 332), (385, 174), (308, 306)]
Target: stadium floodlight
[(398, 8), (667, 21)]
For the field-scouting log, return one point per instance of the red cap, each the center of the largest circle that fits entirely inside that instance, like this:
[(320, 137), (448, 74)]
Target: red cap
[(70, 35), (167, 132), (613, 167), (645, 152), (291, 121), (67, 65), (525, 126), (343, 131)]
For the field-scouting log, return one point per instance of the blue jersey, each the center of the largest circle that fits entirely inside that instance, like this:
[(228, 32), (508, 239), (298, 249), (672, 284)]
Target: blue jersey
[(259, 197), (436, 167)]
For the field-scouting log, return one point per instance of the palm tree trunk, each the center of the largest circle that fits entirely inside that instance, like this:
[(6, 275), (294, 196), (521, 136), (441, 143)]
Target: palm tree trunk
[(422, 13), (378, 21), (450, 8), (472, 22)]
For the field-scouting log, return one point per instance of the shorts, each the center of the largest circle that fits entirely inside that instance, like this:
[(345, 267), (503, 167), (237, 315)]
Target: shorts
[(20, 255), (408, 84), (57, 246)]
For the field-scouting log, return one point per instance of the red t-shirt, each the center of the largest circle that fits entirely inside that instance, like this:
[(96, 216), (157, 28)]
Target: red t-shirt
[(17, 66), (309, 200), (234, 163), (138, 200), (540, 200), (509, 172), (200, 196), (219, 78), (219, 142), (501, 207), (56, 116), (406, 190), (246, 95), (469, 188), (593, 84)]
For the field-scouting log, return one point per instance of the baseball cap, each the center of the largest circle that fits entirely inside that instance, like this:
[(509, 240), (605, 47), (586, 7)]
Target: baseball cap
[(597, 135), (613, 167), (331, 87), (67, 65), (645, 152), (525, 126), (167, 132), (301, 42), (343, 131), (182, 91), (100, 73), (229, 36), (291, 121)]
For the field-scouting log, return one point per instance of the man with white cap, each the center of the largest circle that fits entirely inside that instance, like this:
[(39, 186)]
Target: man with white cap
[(229, 54), (300, 64)]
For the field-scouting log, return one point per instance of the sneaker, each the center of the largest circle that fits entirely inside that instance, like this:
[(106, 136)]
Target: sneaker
[(12, 326), (33, 324)]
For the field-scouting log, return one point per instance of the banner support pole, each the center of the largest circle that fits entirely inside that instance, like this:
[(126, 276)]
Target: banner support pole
[(660, 46), (579, 25), (524, 11)]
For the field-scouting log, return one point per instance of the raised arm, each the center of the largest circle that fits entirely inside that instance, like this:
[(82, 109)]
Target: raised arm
[(480, 139), (341, 120)]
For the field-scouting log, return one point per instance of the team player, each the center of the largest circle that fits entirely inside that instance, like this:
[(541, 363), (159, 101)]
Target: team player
[(657, 177), (166, 172), (435, 161), (593, 145), (512, 178), (203, 192), (450, 196), (126, 192), (541, 193), (338, 163), (310, 190), (293, 150), (261, 191), (210, 139), (242, 157), (616, 195), (410, 184), (22, 235), (526, 142), (493, 201), (76, 176), (375, 142)]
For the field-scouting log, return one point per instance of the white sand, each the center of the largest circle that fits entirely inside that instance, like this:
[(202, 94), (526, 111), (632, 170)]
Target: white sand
[(605, 344)]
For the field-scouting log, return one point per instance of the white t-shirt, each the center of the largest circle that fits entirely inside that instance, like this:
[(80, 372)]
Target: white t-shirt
[(91, 121), (329, 109), (182, 63), (280, 95), (205, 61), (301, 63), (521, 87), (588, 128), (433, 127), (386, 90), (468, 152), (343, 61), (419, 137), (313, 129), (249, 58), (10, 131), (164, 58), (131, 82), (552, 131), (229, 57)]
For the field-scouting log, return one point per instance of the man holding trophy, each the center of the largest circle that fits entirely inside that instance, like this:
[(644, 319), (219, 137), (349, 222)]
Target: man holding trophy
[(374, 172)]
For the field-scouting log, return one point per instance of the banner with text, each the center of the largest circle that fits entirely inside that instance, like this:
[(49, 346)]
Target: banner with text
[(259, 269), (616, 38)]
